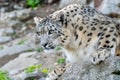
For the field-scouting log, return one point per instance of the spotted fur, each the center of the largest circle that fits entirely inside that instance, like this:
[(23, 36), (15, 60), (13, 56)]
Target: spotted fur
[(84, 33)]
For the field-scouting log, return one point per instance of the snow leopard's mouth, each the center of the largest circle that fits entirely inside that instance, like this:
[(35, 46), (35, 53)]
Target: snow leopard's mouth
[(49, 48)]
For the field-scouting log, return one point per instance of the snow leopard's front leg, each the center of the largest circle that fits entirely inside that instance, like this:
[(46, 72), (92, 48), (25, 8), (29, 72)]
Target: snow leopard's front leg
[(100, 55), (57, 72), (106, 47)]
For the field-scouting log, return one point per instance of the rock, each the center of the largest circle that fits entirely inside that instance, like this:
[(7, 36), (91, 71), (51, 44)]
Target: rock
[(49, 1), (109, 70), (4, 39), (17, 66), (9, 23), (23, 14), (15, 49), (110, 6), (1, 32), (64, 3), (14, 18), (2, 10), (13, 23), (43, 78), (6, 31), (17, 14), (17, 7), (19, 63)]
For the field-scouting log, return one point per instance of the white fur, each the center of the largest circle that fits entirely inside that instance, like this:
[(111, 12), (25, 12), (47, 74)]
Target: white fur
[(82, 54)]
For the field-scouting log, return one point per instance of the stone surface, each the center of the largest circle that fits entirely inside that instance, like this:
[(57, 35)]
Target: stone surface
[(23, 61), (106, 6), (10, 23), (109, 6), (16, 14), (64, 3), (49, 1), (14, 18), (14, 50), (109, 70), (6, 31), (4, 39), (1, 32), (17, 66)]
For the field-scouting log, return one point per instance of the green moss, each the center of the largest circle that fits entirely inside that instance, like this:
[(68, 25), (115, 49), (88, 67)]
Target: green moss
[(57, 48), (1, 47), (61, 61), (39, 49), (4, 75), (36, 67), (21, 42), (33, 3), (44, 70), (30, 69), (15, 35), (33, 68)]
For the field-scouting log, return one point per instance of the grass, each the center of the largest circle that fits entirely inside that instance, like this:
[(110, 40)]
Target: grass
[(57, 48), (32, 3), (33, 68), (44, 70), (61, 61), (39, 49), (15, 35), (1, 47), (30, 69), (21, 42), (4, 75)]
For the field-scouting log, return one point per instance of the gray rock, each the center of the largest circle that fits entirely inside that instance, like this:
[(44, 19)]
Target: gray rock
[(64, 3), (10, 23), (9, 31), (23, 62), (1, 32), (18, 7), (109, 70), (49, 1), (6, 31), (13, 18), (14, 50), (43, 78), (109, 6), (17, 66), (4, 39), (13, 23), (2, 10), (17, 14)]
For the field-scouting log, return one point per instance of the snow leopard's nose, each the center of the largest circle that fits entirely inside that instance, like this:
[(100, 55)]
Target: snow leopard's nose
[(47, 46), (44, 45)]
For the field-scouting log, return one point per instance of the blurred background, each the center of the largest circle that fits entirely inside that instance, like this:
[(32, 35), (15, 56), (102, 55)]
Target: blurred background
[(19, 48)]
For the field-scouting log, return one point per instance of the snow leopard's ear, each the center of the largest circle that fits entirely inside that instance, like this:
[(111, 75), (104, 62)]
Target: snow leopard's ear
[(58, 16), (61, 17), (37, 20)]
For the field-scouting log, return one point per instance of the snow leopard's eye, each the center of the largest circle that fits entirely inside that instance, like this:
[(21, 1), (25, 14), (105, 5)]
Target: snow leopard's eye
[(50, 31), (38, 33)]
